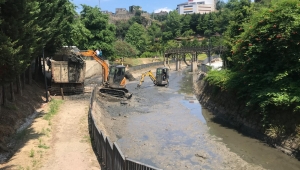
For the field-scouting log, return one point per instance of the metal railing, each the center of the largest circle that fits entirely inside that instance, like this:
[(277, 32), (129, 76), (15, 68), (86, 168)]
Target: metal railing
[(109, 155)]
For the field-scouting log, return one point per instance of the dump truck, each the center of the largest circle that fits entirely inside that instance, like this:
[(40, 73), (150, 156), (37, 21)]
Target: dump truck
[(67, 69)]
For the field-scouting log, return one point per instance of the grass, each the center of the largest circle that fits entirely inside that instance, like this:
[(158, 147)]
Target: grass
[(202, 56), (86, 139), (54, 107), (31, 154), (42, 144), (34, 163), (45, 132)]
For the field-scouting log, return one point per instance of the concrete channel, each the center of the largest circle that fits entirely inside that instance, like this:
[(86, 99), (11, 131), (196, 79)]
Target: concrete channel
[(168, 128)]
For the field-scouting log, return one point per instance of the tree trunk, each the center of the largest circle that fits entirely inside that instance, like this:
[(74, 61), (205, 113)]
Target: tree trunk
[(30, 74), (36, 70), (12, 91), (40, 69), (4, 100), (19, 86), (1, 97), (23, 80)]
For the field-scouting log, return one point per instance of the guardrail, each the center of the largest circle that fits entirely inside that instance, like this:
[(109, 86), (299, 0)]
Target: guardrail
[(109, 154)]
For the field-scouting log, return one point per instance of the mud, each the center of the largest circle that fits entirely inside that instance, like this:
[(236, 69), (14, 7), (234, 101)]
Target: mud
[(164, 127)]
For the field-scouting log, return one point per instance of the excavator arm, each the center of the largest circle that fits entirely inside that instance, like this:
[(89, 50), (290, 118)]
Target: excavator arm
[(148, 73), (105, 68)]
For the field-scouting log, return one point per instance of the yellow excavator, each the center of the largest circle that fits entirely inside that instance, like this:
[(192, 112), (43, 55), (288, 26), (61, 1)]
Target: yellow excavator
[(113, 77), (160, 79)]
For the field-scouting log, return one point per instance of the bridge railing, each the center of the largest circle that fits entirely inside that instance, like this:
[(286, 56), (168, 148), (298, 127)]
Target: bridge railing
[(109, 154)]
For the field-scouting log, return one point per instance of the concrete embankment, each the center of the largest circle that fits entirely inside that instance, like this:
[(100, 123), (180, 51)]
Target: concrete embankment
[(225, 106)]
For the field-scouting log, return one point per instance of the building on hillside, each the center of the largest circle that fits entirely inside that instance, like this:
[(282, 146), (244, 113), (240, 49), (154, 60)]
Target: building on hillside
[(134, 8), (197, 7), (161, 13), (121, 11)]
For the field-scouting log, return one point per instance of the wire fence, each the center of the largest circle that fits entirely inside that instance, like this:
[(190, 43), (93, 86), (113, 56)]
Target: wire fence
[(109, 154)]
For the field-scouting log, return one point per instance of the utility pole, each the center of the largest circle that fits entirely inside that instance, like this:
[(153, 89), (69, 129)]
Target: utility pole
[(99, 4)]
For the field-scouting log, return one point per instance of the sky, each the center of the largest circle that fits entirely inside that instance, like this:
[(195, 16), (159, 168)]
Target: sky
[(147, 5)]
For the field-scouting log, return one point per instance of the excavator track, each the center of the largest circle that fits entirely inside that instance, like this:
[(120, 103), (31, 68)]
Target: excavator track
[(119, 93)]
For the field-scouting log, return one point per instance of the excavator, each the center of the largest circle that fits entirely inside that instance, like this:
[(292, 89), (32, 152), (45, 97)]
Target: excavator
[(113, 77), (160, 79)]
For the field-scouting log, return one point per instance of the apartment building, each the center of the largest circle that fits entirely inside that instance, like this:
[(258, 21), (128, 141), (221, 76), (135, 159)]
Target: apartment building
[(196, 6)]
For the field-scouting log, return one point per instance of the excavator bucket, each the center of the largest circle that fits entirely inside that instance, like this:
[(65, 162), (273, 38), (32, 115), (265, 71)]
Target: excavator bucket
[(119, 93)]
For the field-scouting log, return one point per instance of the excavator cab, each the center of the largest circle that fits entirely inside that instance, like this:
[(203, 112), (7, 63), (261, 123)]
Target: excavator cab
[(116, 78), (162, 76)]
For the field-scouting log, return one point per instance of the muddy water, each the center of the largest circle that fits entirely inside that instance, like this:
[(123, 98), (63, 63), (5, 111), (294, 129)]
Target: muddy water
[(251, 150), (168, 129)]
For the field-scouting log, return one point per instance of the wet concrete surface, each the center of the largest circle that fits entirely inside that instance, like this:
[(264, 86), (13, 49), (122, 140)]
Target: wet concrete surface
[(165, 128)]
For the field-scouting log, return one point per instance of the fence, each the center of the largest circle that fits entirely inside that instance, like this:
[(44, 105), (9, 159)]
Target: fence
[(109, 154)]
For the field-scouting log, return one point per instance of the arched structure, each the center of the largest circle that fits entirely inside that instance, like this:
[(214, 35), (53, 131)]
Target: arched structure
[(179, 54)]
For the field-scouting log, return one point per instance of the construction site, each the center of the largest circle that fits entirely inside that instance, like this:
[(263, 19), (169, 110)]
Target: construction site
[(114, 117)]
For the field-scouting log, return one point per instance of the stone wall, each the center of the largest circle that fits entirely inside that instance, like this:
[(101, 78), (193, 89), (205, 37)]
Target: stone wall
[(226, 106)]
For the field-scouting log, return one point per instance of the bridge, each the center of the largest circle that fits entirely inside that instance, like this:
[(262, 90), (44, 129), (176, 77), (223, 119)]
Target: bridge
[(179, 54)]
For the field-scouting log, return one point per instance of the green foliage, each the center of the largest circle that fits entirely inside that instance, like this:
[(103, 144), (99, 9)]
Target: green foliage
[(149, 54), (28, 27), (267, 51), (42, 144), (121, 29), (137, 36), (172, 26), (54, 106), (32, 153), (102, 33), (124, 49)]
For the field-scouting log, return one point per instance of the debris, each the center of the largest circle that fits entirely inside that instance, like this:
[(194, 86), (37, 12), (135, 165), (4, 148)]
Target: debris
[(200, 156)]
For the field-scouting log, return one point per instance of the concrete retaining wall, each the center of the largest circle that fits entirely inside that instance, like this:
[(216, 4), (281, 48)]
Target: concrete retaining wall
[(225, 106), (92, 68)]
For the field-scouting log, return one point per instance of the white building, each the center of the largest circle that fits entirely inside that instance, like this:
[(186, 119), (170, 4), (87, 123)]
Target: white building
[(196, 6)]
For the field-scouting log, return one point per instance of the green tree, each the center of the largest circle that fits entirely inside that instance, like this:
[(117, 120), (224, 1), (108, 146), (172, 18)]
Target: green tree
[(124, 49), (186, 20), (121, 29), (172, 27), (18, 37), (266, 57), (102, 33), (154, 32), (137, 36)]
